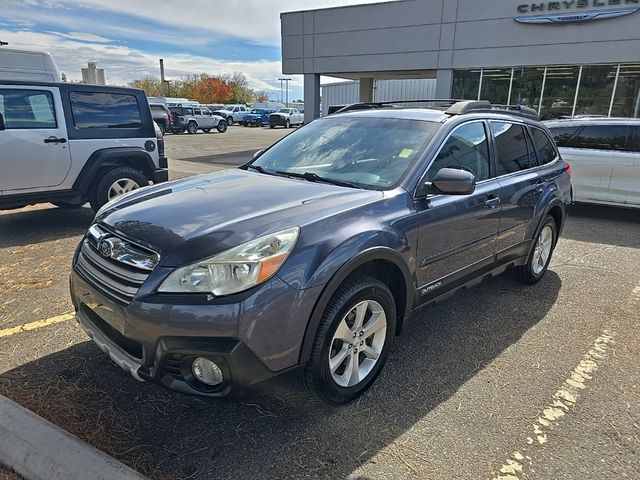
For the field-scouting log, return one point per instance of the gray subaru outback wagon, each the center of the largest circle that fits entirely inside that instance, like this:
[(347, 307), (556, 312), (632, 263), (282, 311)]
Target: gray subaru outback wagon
[(314, 255)]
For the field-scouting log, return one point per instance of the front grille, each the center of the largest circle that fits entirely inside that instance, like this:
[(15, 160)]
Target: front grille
[(117, 280)]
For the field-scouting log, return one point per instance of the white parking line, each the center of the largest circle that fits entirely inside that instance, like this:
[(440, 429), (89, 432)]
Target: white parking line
[(562, 403), (7, 332)]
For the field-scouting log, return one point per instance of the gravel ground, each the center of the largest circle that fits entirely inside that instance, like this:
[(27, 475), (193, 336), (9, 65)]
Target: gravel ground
[(465, 388)]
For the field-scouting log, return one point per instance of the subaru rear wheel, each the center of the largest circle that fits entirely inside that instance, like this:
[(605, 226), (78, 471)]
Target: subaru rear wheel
[(353, 340), (540, 255)]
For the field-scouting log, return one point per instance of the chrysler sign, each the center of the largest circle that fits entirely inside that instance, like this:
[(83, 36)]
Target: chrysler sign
[(552, 12)]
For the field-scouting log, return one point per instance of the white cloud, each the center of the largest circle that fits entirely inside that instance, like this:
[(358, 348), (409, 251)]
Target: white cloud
[(124, 64), (83, 37)]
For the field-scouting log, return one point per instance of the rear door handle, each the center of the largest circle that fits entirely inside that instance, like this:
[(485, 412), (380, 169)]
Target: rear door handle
[(55, 140), (492, 201)]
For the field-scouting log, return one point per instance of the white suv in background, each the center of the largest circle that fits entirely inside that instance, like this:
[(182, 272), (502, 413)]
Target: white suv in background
[(604, 154)]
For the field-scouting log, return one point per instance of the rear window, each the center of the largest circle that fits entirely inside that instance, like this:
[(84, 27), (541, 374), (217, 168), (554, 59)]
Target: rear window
[(511, 144), (563, 136), (157, 108), (542, 145), (603, 137), (105, 110)]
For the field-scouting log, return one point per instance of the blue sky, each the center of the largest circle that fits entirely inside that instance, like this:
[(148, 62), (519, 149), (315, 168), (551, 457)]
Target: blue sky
[(127, 37)]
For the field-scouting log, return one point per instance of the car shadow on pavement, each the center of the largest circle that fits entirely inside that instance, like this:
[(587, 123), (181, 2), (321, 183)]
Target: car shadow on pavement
[(603, 225), (24, 227), (282, 432)]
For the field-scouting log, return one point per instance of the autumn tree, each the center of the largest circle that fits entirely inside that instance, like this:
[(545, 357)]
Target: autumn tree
[(240, 86), (150, 84), (212, 90)]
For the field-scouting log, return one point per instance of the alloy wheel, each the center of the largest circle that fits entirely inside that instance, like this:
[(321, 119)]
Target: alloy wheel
[(121, 186), (542, 250), (357, 343)]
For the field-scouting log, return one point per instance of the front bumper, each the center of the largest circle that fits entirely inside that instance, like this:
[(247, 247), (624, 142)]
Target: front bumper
[(256, 122), (278, 121), (155, 337)]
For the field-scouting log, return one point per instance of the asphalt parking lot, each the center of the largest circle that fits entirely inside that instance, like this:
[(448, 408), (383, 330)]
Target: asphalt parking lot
[(501, 381)]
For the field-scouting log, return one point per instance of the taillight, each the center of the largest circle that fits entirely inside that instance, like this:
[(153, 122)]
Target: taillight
[(170, 118), (568, 169)]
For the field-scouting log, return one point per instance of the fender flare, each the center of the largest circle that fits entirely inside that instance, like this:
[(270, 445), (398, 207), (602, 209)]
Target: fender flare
[(375, 253), (556, 202), (112, 157)]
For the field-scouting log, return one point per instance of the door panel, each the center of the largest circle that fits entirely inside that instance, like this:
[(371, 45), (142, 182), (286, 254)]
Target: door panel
[(456, 233), (32, 154)]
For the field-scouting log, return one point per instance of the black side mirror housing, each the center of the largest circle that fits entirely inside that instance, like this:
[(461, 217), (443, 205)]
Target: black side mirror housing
[(449, 181), (1, 122)]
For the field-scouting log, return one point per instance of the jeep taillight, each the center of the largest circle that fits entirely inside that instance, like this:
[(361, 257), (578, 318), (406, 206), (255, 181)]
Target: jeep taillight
[(568, 169)]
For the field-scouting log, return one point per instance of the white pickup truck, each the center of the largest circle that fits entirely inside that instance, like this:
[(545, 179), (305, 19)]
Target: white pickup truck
[(286, 117), (233, 113)]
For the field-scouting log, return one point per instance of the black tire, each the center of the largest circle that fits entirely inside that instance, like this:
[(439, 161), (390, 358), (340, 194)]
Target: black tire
[(272, 126), (192, 127), (222, 126), (526, 273), (287, 124), (229, 121), (206, 130), (68, 205), (162, 128), (100, 194), (318, 377)]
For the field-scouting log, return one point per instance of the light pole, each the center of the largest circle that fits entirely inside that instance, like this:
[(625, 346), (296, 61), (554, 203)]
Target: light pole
[(286, 80)]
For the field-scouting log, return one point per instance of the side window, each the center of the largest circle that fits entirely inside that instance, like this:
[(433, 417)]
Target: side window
[(206, 112), (197, 111), (603, 137), (564, 136), (104, 110), (188, 111), (30, 109), (542, 145), (511, 146), (465, 149), (634, 139)]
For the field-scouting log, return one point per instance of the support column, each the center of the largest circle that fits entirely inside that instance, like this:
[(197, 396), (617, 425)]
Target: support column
[(444, 83), (311, 97), (366, 89)]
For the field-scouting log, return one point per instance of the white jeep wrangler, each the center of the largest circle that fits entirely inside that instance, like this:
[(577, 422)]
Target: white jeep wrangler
[(69, 143)]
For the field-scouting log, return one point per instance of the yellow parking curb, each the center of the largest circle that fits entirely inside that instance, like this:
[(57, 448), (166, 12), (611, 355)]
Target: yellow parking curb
[(7, 332)]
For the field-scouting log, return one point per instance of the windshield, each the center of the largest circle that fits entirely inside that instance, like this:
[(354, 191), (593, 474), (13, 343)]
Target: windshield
[(283, 110), (369, 152)]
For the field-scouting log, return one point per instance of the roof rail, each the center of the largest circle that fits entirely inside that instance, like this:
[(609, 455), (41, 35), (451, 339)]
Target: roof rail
[(484, 106), (440, 102)]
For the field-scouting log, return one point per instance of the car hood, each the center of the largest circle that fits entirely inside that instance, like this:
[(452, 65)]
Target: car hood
[(193, 218)]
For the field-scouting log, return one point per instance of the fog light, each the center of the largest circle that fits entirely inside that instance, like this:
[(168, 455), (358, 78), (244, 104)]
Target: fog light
[(207, 371)]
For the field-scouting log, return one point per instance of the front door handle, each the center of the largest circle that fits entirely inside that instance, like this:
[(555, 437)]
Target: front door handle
[(55, 140), (492, 201)]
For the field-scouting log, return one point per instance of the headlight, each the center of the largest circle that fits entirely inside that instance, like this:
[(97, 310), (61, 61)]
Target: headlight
[(234, 270)]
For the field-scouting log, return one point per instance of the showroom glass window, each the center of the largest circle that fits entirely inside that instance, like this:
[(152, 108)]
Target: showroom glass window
[(466, 84), (105, 110), (626, 102), (559, 92), (495, 85), (511, 146), (527, 86), (542, 146), (596, 88), (466, 149), (603, 137), (30, 109)]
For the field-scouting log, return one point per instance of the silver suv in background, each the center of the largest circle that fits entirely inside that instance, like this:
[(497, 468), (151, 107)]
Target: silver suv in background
[(192, 118), (68, 143), (604, 154)]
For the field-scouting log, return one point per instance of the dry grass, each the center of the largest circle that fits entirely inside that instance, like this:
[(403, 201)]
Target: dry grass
[(8, 474), (88, 413)]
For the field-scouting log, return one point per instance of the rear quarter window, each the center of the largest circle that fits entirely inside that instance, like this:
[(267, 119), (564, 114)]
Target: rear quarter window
[(105, 110), (543, 147)]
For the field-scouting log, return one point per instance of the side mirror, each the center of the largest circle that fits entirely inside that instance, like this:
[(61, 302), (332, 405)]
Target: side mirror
[(258, 153), (450, 181), (1, 122)]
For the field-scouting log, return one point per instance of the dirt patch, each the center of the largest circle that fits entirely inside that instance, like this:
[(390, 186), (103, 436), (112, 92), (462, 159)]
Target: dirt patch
[(8, 474)]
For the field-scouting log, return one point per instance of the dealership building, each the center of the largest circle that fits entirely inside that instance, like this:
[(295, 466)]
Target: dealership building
[(562, 58)]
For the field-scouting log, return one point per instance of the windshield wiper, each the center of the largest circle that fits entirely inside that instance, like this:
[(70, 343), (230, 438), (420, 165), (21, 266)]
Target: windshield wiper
[(257, 168), (314, 177)]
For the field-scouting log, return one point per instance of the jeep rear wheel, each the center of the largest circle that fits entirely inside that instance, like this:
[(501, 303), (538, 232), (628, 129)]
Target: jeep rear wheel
[(353, 340), (222, 126), (192, 127), (115, 183)]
